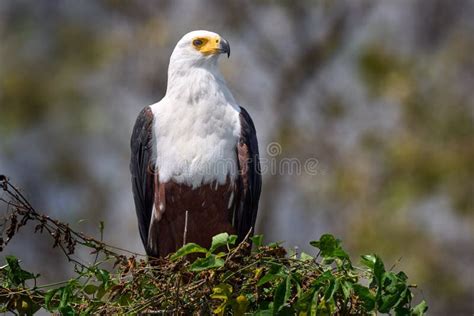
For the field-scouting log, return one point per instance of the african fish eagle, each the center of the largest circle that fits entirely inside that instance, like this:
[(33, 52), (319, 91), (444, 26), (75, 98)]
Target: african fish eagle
[(194, 154)]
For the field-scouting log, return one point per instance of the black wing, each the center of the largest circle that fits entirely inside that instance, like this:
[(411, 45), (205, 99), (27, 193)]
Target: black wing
[(250, 178), (141, 168)]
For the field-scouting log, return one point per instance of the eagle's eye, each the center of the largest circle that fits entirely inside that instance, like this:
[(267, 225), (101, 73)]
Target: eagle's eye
[(197, 42)]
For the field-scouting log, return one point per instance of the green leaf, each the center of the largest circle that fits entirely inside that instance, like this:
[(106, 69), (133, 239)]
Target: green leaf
[(367, 298), (90, 289), (402, 311), (331, 289), (188, 249), (346, 289), (339, 253), (326, 243), (66, 311), (257, 240), (208, 262), (125, 300), (274, 244), (15, 274), (232, 240), (286, 310), (63, 293), (104, 277), (66, 293), (313, 307), (100, 292), (394, 292), (48, 298), (222, 291), (402, 276), (330, 247), (368, 261), (218, 241), (379, 270), (420, 309), (276, 271), (282, 294), (305, 257), (267, 278), (327, 275), (388, 302), (264, 312)]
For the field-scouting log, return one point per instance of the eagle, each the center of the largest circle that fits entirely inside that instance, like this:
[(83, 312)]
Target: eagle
[(194, 164)]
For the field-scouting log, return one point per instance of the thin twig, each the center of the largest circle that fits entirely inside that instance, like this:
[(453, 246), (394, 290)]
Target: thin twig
[(242, 243), (185, 233)]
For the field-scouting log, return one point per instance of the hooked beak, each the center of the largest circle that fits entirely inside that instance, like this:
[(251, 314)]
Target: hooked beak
[(224, 47)]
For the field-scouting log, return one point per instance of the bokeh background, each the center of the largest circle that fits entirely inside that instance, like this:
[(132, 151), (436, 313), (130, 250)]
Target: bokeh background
[(381, 93)]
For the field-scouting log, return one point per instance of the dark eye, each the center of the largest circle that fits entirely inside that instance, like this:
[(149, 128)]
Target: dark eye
[(197, 42)]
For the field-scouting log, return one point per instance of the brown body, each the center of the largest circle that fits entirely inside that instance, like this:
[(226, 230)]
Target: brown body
[(208, 214)]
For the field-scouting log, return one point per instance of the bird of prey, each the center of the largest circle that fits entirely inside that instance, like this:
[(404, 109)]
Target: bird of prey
[(194, 154)]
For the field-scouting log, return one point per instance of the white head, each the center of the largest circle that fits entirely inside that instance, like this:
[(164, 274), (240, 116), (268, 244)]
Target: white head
[(193, 73), (199, 48)]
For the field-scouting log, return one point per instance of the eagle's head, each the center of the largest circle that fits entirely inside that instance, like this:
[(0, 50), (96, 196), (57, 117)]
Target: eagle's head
[(200, 47)]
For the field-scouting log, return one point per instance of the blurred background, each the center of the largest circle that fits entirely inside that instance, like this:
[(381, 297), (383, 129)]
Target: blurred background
[(379, 92)]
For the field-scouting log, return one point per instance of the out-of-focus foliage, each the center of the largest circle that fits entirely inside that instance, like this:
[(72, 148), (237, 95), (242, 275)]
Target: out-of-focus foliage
[(380, 92), (226, 279)]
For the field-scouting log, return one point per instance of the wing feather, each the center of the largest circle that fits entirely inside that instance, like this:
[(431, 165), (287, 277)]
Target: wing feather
[(142, 170), (250, 178)]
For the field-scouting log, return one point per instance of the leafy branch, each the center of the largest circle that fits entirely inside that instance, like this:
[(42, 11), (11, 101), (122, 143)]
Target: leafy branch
[(227, 278)]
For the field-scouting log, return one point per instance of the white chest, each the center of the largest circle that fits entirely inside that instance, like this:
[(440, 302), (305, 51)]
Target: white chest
[(196, 143)]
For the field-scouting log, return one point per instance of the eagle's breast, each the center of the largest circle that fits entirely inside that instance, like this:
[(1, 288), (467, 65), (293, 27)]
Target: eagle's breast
[(196, 141)]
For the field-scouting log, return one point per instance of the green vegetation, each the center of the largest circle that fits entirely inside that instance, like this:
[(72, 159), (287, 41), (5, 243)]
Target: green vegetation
[(264, 282), (227, 278)]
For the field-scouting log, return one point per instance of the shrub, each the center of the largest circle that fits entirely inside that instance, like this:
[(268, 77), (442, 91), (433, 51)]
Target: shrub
[(228, 278)]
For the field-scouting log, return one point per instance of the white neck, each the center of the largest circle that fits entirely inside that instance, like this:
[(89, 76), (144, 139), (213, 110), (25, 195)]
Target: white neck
[(193, 82), (197, 125)]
